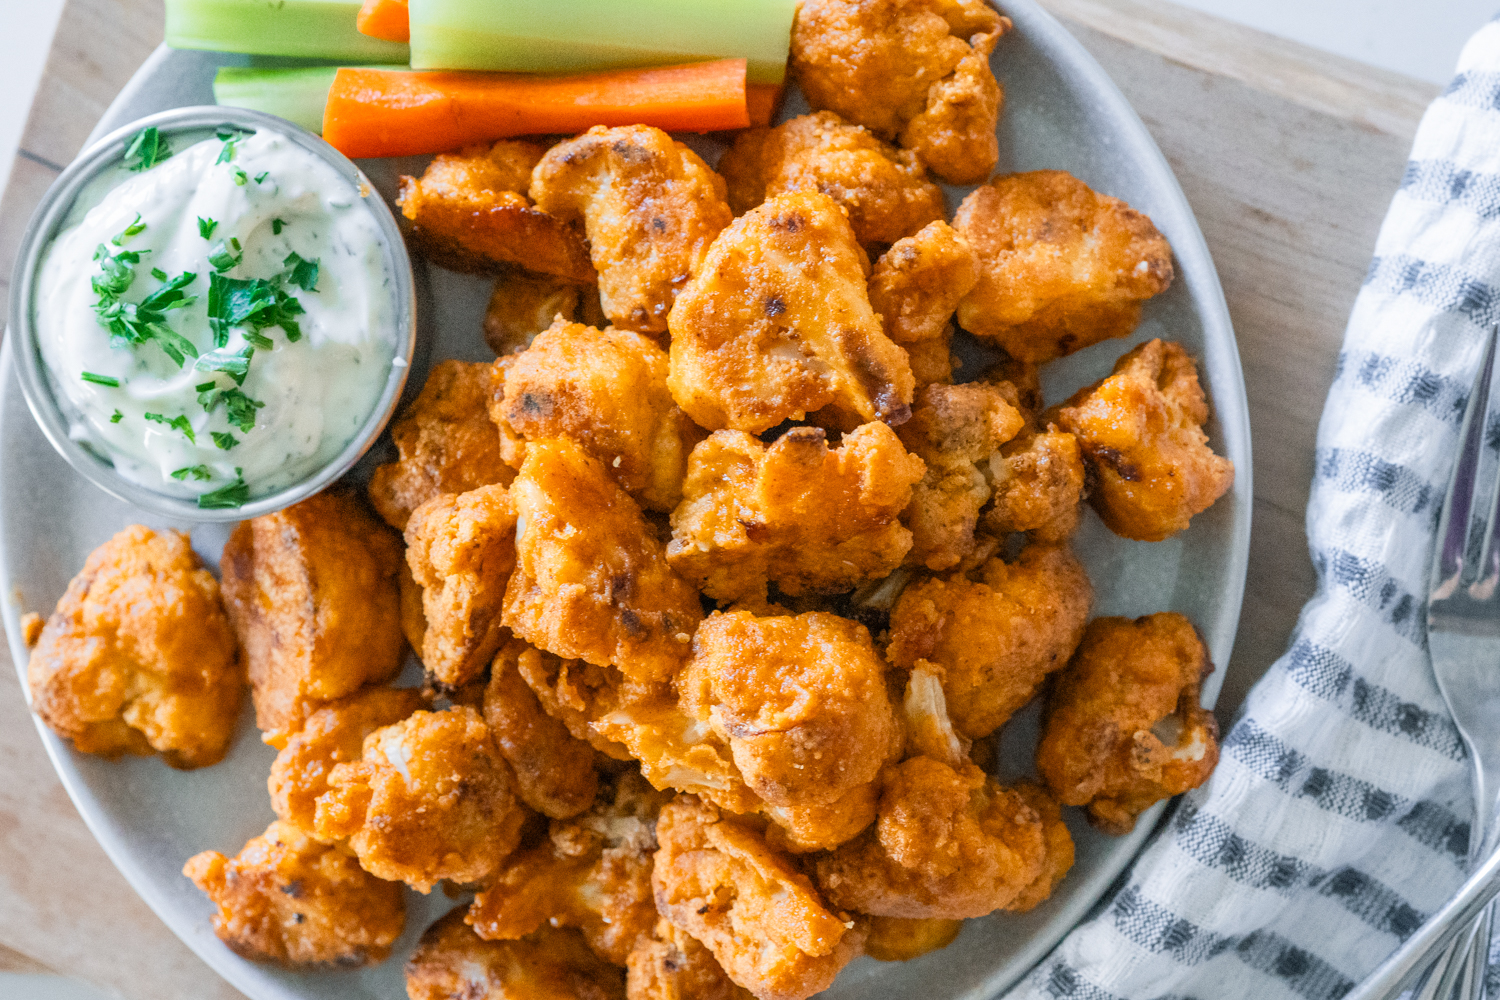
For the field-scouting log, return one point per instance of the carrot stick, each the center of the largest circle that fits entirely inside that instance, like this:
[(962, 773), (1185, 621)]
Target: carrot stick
[(385, 19), (374, 112), (761, 100)]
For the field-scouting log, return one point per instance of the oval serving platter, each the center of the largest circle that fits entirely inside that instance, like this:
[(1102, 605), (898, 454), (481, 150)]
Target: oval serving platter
[(1062, 112)]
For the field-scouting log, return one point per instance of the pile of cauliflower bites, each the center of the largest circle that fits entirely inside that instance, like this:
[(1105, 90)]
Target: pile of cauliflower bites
[(722, 582)]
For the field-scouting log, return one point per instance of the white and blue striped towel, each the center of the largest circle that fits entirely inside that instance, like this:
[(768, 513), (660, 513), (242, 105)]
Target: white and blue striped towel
[(1338, 818)]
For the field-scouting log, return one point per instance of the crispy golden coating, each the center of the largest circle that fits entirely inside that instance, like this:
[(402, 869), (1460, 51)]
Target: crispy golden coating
[(913, 70), (811, 518), (917, 284), (555, 772), (777, 323), (454, 962), (461, 550), (313, 594), (430, 799), (950, 843), (956, 430), (138, 657), (1141, 433), (1038, 481), (932, 361), (592, 872), (650, 207), (605, 390), (885, 190), (522, 305), (762, 918), (901, 939), (469, 212), (577, 693), (446, 442), (1123, 727), (673, 965), (287, 898), (1059, 848), (996, 636), (591, 579), (332, 735), (1060, 266)]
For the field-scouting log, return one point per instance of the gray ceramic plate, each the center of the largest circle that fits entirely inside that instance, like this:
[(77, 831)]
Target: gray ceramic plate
[(1062, 112)]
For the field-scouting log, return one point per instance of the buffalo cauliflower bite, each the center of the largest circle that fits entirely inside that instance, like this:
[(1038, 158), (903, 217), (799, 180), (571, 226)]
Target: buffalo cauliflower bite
[(313, 593), (950, 843), (575, 692), (555, 773), (138, 657), (995, 636), (553, 964), (810, 518), (522, 305), (1123, 727), (764, 921), (1141, 433), (885, 190), (287, 898), (469, 212), (592, 872), (605, 390), (916, 71), (901, 939), (917, 285), (650, 207), (1038, 481), (430, 799), (1058, 842), (332, 735), (1060, 266), (672, 965), (956, 430), (591, 579), (932, 361), (461, 550), (777, 323), (446, 443)]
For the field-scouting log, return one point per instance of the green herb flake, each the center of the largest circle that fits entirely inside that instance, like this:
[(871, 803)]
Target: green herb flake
[(302, 273), (277, 225), (260, 178), (108, 380), (240, 177), (134, 229), (236, 494), (158, 274), (254, 304), (202, 473), (135, 324), (117, 417), (206, 227), (148, 148), (221, 258), (176, 423), (235, 365), (260, 340), (230, 137), (224, 441)]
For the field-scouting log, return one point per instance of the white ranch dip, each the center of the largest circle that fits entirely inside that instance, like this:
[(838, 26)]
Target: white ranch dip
[(231, 212)]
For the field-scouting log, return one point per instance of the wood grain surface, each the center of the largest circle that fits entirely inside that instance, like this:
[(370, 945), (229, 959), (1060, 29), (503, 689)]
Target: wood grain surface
[(1288, 156)]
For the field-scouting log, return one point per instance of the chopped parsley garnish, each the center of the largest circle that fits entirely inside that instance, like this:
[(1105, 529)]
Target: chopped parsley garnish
[(223, 441), (230, 137), (148, 148), (239, 409), (253, 303), (256, 339), (135, 228), (176, 423), (206, 227), (236, 494), (225, 256), (261, 177), (108, 380), (117, 417), (235, 365), (240, 177), (138, 323), (302, 273), (158, 274), (118, 271), (277, 225), (202, 473)]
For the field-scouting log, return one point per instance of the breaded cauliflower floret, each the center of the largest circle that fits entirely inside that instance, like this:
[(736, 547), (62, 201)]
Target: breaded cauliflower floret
[(650, 207), (1059, 848), (1038, 481), (932, 361), (287, 898), (138, 657), (950, 843), (810, 518), (591, 578), (885, 190), (592, 872), (555, 773), (453, 962), (605, 390), (575, 692), (778, 323), (916, 71), (522, 305), (313, 594), (917, 284), (332, 735), (956, 430), (430, 799), (1123, 727), (461, 550), (995, 636), (1060, 266), (469, 212), (673, 965), (901, 939), (446, 442), (763, 919), (1141, 432)]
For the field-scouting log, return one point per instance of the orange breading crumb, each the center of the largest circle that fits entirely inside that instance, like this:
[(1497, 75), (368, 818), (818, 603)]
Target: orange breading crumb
[(1038, 481)]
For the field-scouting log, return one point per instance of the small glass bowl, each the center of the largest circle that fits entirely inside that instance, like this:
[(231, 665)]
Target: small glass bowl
[(48, 220)]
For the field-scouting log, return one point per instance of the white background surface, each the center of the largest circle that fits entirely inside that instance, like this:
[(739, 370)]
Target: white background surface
[(1419, 39)]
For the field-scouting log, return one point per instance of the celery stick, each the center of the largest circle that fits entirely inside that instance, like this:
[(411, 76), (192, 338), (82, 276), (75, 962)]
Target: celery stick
[(298, 95), (318, 29), (558, 36)]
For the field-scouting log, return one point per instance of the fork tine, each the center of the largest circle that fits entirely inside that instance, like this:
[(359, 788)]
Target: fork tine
[(1458, 502)]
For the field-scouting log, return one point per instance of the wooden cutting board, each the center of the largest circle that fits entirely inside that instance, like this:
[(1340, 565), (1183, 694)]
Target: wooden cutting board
[(1288, 156)]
